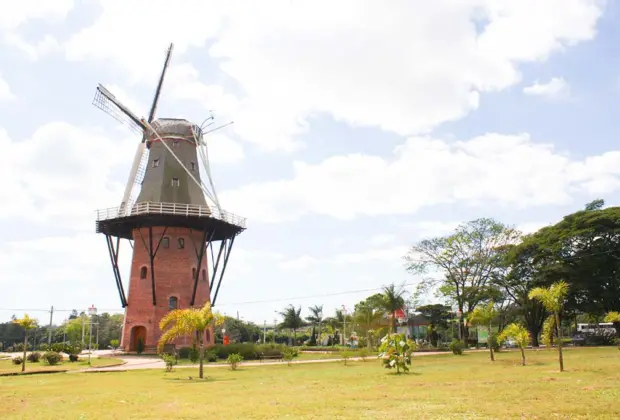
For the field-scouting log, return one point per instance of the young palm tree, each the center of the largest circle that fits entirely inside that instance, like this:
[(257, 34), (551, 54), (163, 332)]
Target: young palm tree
[(27, 324), (192, 322), (316, 316), (553, 298), (393, 300), (484, 315), (292, 320), (520, 334)]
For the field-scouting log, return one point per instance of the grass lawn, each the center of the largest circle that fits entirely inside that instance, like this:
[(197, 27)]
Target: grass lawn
[(438, 387), (7, 366), (300, 356)]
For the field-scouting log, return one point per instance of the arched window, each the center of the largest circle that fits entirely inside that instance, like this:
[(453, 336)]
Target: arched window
[(208, 336), (204, 275), (193, 273), (142, 273), (181, 243), (165, 242), (173, 303)]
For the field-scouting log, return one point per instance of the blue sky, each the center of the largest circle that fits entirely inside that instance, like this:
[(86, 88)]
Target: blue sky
[(356, 132)]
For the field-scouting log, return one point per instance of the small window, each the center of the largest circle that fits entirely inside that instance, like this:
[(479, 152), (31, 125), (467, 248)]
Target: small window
[(155, 163), (173, 303), (193, 273), (175, 143), (142, 273), (181, 243), (204, 275), (165, 242), (192, 166), (175, 182)]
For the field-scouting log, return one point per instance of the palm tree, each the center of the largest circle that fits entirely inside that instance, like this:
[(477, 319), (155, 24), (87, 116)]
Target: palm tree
[(484, 315), (367, 316), (553, 298), (292, 320), (27, 324), (316, 316), (191, 321), (521, 336), (393, 300)]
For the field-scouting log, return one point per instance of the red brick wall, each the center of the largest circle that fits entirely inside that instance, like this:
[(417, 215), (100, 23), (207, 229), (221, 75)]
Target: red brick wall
[(173, 277)]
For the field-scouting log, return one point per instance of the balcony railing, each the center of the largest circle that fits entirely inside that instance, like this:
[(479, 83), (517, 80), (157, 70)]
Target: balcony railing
[(176, 209)]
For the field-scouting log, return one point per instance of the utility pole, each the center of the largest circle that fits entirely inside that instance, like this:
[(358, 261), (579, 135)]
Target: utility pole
[(264, 331), (49, 336), (91, 311), (344, 325), (275, 329)]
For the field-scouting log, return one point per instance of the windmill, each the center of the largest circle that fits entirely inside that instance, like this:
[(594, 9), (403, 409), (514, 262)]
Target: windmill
[(165, 203)]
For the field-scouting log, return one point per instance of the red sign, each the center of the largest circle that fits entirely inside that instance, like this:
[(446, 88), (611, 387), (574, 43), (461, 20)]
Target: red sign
[(226, 340)]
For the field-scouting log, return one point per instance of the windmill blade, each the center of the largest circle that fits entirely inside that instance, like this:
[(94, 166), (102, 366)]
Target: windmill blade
[(105, 101), (131, 181), (159, 85)]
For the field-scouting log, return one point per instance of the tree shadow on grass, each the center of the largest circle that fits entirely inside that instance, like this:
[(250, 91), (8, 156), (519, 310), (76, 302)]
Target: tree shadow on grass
[(196, 380)]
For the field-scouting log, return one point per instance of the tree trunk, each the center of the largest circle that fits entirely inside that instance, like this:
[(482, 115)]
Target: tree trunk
[(490, 344), (202, 358), (560, 355), (534, 331), (522, 356), (25, 347)]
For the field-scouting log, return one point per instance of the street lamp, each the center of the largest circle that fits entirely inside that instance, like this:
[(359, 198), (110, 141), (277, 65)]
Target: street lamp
[(91, 311)]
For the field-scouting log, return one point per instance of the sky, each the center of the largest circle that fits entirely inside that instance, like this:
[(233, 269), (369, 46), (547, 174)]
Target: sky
[(360, 128)]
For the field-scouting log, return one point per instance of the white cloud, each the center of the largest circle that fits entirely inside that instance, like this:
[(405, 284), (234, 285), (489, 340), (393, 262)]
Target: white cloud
[(46, 46), (555, 89), (5, 90), (15, 14), (402, 66), (507, 170), (64, 174)]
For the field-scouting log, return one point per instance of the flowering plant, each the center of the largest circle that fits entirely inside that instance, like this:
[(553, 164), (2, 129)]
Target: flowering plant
[(395, 352)]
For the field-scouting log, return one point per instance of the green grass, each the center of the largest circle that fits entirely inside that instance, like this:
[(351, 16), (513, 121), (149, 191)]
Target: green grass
[(7, 366), (438, 387), (301, 356)]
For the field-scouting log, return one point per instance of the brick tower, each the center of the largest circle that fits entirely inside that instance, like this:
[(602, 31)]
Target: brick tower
[(170, 224)]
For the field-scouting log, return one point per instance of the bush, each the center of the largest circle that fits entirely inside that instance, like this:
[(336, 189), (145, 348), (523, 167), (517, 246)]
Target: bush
[(288, 354), (273, 349), (115, 344), (395, 352), (319, 348), (233, 360), (184, 352), (52, 358), (457, 347), (211, 356), (194, 354), (17, 360), (363, 354), (57, 347), (346, 355), (170, 361), (601, 338), (34, 357), (248, 351), (44, 347), (74, 358)]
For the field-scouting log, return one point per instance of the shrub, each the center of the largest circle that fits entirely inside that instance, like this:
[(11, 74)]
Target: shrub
[(140, 345), (34, 357), (57, 347), (184, 352), (74, 358), (211, 356), (52, 358), (17, 360), (346, 355), (289, 354), (273, 349), (395, 352), (248, 351), (601, 338), (194, 354), (457, 347), (233, 360), (170, 361), (494, 342), (115, 344), (318, 348), (44, 347), (363, 354)]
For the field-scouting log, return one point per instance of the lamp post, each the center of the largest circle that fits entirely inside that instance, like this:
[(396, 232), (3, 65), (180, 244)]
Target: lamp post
[(344, 325), (91, 312)]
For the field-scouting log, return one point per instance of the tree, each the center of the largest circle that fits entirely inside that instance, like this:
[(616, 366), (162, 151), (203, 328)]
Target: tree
[(368, 314), (315, 318), (292, 320), (521, 336), (484, 315), (553, 298), (27, 324), (437, 316), (467, 259), (392, 300), (191, 322), (614, 317)]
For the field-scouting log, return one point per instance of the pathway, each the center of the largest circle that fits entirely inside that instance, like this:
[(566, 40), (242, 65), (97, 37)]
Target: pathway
[(152, 362)]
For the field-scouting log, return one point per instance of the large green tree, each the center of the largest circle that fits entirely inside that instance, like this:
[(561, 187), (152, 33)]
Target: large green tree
[(438, 316), (466, 262), (292, 320), (392, 299)]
